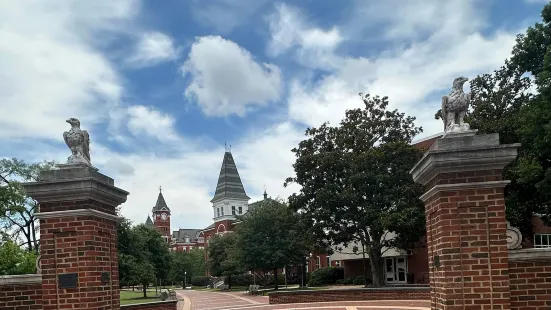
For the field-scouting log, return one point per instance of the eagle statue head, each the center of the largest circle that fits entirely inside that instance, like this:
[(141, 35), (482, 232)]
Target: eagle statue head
[(74, 122), (458, 82)]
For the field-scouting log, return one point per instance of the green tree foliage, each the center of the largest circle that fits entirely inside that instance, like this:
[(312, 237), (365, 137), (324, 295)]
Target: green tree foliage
[(505, 102), (355, 182), (14, 260), (16, 209), (223, 260), (143, 255), (186, 265), (270, 237)]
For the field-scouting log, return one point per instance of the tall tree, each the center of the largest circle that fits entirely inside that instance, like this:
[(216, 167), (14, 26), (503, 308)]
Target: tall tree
[(186, 265), (355, 182), (270, 237), (16, 209), (223, 260), (143, 255)]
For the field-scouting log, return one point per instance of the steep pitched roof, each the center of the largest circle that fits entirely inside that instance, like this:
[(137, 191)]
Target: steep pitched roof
[(229, 183), (160, 205), (148, 221), (182, 234)]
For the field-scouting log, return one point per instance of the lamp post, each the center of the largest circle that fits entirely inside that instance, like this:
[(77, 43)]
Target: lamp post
[(185, 279)]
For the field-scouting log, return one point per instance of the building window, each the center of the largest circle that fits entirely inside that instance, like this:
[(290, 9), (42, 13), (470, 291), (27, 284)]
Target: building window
[(201, 240), (542, 240), (327, 261), (318, 262), (218, 212), (240, 210), (232, 210), (222, 211), (187, 240)]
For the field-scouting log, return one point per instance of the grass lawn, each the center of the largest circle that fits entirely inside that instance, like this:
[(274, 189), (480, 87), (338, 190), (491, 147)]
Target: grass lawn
[(136, 297)]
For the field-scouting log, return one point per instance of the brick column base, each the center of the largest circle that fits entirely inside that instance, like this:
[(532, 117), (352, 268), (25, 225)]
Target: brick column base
[(466, 226), (78, 238)]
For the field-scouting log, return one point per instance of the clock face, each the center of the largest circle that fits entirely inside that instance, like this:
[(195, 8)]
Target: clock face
[(163, 216)]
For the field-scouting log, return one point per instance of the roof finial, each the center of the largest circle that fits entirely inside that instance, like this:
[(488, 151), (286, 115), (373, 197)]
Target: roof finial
[(160, 189)]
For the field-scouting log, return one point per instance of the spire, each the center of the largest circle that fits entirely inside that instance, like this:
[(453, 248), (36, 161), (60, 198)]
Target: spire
[(160, 205), (148, 221), (229, 183), (265, 194)]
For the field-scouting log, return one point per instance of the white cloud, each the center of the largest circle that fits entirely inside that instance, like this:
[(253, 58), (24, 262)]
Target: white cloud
[(225, 15), (226, 79), (537, 1), (314, 46), (51, 66), (149, 121), (409, 76), (153, 48)]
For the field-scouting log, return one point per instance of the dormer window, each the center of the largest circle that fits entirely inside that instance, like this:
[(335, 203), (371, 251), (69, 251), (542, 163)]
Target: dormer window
[(240, 210), (187, 239), (233, 210), (222, 211), (218, 212)]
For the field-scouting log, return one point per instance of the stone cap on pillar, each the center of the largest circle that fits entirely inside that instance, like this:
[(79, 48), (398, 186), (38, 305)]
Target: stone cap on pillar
[(73, 183), (463, 152)]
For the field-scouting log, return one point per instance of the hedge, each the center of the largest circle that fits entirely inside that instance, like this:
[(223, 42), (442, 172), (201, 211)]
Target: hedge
[(200, 281), (326, 276)]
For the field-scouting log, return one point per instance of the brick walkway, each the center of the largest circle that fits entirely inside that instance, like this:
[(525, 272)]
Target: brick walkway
[(202, 300)]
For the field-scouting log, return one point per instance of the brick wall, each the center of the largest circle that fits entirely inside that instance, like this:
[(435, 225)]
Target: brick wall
[(159, 305), (22, 292), (386, 293), (85, 245), (530, 279), (530, 285)]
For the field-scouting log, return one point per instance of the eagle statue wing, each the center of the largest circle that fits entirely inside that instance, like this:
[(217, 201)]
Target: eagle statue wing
[(65, 134), (86, 144), (444, 112)]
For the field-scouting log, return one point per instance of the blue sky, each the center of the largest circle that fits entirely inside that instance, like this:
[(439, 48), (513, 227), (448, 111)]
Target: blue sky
[(162, 85)]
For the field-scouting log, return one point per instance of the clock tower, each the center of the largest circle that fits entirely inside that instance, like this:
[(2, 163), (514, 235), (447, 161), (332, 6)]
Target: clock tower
[(161, 216)]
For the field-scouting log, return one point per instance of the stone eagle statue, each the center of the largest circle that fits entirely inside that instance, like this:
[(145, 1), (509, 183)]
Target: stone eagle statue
[(454, 107), (79, 142)]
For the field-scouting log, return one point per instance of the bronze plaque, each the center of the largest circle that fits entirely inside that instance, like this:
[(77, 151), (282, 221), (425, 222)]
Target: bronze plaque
[(67, 280), (105, 278)]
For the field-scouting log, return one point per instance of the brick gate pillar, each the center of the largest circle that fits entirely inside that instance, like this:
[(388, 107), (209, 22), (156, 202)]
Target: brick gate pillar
[(465, 218), (78, 237)]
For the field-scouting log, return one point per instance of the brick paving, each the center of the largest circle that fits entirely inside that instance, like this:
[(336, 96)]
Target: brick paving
[(205, 300)]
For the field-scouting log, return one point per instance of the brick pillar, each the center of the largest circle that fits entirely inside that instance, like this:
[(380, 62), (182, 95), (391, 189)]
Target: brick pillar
[(466, 226), (78, 237)]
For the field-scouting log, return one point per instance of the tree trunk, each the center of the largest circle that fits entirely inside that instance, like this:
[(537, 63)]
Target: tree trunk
[(377, 270), (364, 261), (34, 237), (144, 291), (275, 280), (229, 282)]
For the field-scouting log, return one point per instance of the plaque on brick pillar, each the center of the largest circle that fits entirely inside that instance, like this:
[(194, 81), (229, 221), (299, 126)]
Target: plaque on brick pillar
[(78, 230), (465, 218)]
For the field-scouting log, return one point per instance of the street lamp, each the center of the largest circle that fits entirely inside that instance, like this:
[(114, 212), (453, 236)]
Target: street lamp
[(185, 279)]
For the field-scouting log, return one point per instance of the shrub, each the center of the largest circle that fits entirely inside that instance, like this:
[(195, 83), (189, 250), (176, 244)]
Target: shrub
[(200, 281), (242, 279), (359, 280), (340, 282), (325, 276)]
